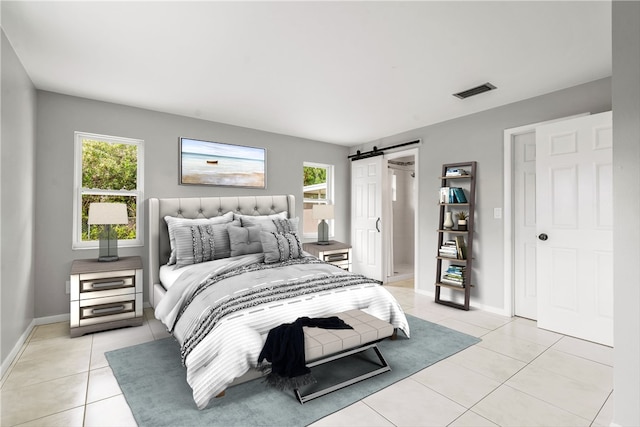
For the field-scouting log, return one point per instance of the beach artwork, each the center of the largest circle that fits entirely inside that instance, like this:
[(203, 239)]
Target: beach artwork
[(217, 163)]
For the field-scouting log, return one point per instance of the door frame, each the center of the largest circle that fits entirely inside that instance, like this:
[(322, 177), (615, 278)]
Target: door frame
[(508, 208), (416, 216)]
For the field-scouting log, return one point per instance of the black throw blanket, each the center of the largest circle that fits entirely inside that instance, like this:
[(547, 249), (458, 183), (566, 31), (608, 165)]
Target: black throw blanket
[(284, 349)]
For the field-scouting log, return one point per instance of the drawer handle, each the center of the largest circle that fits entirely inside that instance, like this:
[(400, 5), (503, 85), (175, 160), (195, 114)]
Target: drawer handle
[(107, 309), (338, 257), (98, 285)]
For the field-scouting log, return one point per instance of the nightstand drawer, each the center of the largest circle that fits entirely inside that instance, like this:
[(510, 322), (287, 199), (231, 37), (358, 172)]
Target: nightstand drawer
[(345, 265), (335, 257), (104, 284), (107, 283), (93, 311)]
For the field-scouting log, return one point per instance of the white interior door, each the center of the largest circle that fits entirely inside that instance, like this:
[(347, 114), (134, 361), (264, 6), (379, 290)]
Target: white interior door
[(574, 211), (368, 177), (524, 225)]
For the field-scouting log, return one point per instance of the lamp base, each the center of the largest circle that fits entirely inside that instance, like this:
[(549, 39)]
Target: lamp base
[(323, 243), (323, 233), (108, 245)]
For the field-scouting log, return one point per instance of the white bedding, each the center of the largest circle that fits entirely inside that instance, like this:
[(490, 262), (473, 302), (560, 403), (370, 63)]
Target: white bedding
[(232, 345), (169, 274)]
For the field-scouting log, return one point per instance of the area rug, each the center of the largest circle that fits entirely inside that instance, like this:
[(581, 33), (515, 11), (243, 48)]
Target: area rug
[(154, 382)]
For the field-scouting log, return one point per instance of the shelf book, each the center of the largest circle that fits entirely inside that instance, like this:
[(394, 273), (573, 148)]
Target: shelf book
[(461, 247), (449, 249), (456, 172), (458, 195), (454, 276), (450, 195)]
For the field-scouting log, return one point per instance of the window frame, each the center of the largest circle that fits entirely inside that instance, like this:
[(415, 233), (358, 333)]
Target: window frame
[(329, 200), (79, 191)]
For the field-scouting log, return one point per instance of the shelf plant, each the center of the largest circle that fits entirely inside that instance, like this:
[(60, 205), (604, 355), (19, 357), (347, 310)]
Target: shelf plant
[(462, 216)]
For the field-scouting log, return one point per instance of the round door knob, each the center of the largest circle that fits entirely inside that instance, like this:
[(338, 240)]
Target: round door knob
[(543, 237)]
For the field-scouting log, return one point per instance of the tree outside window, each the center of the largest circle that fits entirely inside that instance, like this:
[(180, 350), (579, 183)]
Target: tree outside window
[(317, 189)]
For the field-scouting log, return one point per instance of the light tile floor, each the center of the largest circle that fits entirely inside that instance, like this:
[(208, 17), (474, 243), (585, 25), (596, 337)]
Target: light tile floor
[(518, 375)]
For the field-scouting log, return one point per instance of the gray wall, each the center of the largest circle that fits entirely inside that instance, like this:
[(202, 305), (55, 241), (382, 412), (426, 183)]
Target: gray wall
[(479, 137), (58, 116), (626, 196), (17, 178)]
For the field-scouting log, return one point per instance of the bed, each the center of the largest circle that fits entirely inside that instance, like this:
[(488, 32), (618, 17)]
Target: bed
[(223, 271)]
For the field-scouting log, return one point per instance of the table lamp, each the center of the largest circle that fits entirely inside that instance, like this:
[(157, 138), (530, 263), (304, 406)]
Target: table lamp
[(323, 212), (107, 214)]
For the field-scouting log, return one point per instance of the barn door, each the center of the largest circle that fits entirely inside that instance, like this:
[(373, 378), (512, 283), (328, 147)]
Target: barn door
[(368, 177)]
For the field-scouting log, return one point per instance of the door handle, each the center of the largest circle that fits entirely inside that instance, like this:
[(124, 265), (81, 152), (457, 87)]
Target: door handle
[(113, 309), (378, 224), (543, 236), (98, 285)]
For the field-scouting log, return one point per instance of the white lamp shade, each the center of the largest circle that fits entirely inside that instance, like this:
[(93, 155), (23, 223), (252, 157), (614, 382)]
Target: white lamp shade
[(322, 211), (108, 213)]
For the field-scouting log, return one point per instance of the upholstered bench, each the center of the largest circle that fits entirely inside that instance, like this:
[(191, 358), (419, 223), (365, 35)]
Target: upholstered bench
[(325, 345)]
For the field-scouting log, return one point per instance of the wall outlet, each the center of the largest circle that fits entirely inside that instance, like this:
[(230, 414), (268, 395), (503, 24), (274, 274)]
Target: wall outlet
[(67, 287), (497, 213)]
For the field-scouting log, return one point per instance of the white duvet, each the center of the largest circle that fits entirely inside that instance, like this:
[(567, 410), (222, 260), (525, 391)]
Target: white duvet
[(232, 346)]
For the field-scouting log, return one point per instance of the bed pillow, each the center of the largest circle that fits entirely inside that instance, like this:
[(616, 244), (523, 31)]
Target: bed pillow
[(244, 240), (202, 243), (279, 247), (194, 244), (248, 220), (273, 225), (175, 222)]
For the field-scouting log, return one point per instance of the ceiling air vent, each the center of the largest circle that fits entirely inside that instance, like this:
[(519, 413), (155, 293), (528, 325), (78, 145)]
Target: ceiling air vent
[(474, 91)]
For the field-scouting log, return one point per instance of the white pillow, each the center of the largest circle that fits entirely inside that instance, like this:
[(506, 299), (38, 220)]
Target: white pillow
[(273, 225), (247, 220), (175, 222)]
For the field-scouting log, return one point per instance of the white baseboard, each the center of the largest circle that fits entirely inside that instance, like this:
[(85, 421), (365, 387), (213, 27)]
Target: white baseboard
[(487, 308), (6, 363)]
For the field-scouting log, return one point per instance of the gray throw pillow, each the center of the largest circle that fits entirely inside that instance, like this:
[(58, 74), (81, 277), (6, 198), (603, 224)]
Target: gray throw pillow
[(194, 244), (279, 247), (244, 240), (175, 222), (188, 240)]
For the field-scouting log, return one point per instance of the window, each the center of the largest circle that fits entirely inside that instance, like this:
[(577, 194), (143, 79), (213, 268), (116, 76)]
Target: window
[(107, 169), (317, 189)]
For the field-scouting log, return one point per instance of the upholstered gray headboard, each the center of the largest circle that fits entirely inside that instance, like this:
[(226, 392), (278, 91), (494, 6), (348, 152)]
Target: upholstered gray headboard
[(201, 207)]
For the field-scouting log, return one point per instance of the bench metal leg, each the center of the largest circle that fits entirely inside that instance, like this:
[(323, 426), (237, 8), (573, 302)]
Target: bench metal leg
[(384, 367)]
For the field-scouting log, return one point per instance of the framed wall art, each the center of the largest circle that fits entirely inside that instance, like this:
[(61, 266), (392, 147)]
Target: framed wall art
[(217, 163)]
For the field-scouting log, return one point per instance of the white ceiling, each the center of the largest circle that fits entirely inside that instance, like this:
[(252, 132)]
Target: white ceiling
[(340, 72)]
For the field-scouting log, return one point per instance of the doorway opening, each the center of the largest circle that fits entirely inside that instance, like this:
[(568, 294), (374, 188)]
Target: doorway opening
[(401, 214)]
